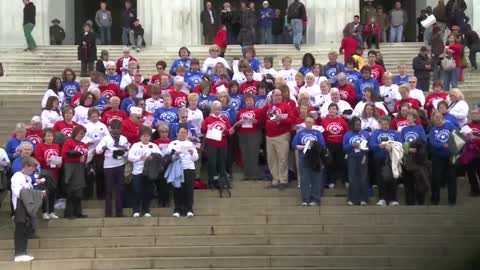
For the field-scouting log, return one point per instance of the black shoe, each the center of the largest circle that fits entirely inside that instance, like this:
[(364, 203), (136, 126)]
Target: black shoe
[(297, 47), (282, 187), (474, 194), (272, 186), (82, 216)]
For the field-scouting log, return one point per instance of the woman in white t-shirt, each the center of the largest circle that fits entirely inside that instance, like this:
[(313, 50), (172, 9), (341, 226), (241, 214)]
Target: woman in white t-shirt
[(51, 114), (210, 62), (55, 88)]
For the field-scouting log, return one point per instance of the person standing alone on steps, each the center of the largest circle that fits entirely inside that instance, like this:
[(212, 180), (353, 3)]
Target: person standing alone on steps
[(103, 18), (28, 24), (296, 15)]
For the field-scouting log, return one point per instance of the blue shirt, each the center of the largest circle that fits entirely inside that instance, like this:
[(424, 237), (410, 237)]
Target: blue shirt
[(303, 136), (331, 71), (168, 116), (180, 63), (352, 137), (127, 103), (304, 70), (255, 64), (230, 113), (205, 100), (266, 21), (410, 134), (17, 166), (193, 78), (363, 84), (353, 76), (116, 79), (12, 147), (70, 89), (260, 101), (236, 101), (100, 104), (399, 80), (379, 136), (438, 137), (173, 130), (452, 119)]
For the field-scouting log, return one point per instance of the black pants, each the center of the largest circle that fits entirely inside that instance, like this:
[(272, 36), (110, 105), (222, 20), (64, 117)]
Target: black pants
[(143, 188), (95, 180), (373, 39), (473, 170), (443, 170), (163, 189), (336, 168), (114, 180), (387, 189), (84, 66), (48, 205), (412, 194), (22, 232), (232, 148), (472, 56), (423, 84), (216, 163), (73, 207), (183, 196)]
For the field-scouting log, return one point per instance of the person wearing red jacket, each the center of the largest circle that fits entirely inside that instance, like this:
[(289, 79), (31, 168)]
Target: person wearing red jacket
[(44, 153), (250, 86), (66, 126), (221, 40), (107, 89), (376, 69), (34, 131), (372, 33), (249, 122), (74, 156), (349, 45), (114, 112), (335, 129), (279, 118), (122, 62), (347, 91), (216, 146), (399, 122), (436, 96), (473, 147), (131, 125)]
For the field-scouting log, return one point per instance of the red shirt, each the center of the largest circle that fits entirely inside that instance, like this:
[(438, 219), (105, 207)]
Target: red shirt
[(43, 152), (475, 129), (348, 47), (347, 93), (109, 115), (34, 135), (110, 90), (156, 78), (167, 90), (179, 99), (249, 87), (275, 128), (161, 141), (335, 129), (414, 103), (130, 131), (372, 29), (400, 121), (223, 124), (431, 97), (72, 145), (250, 113), (457, 53), (64, 128), (120, 64), (221, 39), (377, 73)]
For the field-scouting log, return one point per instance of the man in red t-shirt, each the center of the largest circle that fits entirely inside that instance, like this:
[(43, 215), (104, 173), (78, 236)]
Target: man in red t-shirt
[(377, 70)]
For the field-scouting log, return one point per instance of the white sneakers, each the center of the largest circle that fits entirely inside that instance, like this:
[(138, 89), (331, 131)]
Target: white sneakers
[(313, 204), (147, 215), (331, 186), (382, 203), (190, 214), (45, 216), (23, 258), (395, 203), (362, 203), (176, 214), (304, 204), (136, 214), (350, 203)]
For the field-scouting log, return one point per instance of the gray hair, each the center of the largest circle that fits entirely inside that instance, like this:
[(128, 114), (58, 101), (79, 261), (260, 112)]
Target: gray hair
[(334, 91), (182, 111), (216, 104), (25, 144), (341, 76), (179, 80), (20, 125)]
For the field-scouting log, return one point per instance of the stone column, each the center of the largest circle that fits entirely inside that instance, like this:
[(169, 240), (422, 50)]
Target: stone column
[(168, 22)]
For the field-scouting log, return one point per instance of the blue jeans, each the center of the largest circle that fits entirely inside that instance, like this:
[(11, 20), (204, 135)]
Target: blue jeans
[(396, 33), (357, 176), (105, 35), (297, 28), (311, 182), (450, 78), (266, 34), (142, 187), (125, 36)]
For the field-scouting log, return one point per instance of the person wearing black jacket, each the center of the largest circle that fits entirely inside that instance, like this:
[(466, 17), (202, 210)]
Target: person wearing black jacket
[(87, 51), (231, 19), (296, 16), (277, 27), (473, 43), (210, 21), (129, 14), (29, 13), (422, 66)]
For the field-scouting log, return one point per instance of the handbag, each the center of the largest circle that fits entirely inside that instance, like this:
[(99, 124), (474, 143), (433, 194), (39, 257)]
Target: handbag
[(448, 63), (456, 142), (386, 171)]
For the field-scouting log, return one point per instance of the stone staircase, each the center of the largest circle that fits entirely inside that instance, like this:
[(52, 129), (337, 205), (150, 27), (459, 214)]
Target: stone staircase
[(27, 74), (258, 229)]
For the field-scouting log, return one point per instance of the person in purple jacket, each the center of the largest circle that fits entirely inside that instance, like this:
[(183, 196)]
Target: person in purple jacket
[(354, 145)]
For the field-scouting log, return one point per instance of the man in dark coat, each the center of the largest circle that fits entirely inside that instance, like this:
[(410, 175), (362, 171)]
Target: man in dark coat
[(472, 41), (57, 33), (422, 66), (210, 21), (87, 51)]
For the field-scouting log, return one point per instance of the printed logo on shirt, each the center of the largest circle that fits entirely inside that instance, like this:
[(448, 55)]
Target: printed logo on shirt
[(180, 101), (81, 149), (226, 114), (70, 90), (331, 74), (35, 139), (95, 135), (364, 86), (220, 125), (251, 89), (442, 135), (50, 153), (356, 139), (335, 128), (401, 124), (168, 117), (410, 137), (385, 137), (375, 74), (235, 103), (67, 132), (260, 103), (351, 78), (115, 117), (307, 137), (108, 93)]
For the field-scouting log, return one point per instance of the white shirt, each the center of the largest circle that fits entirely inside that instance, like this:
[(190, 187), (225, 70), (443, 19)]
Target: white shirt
[(390, 95), (49, 118), (126, 80), (460, 111), (270, 71), (49, 93), (196, 118), (288, 75), (342, 106), (4, 157), (81, 115), (209, 64), (95, 133), (361, 106), (370, 123), (109, 142), (183, 147), (418, 95), (125, 62), (151, 105), (319, 80), (240, 77), (313, 90), (136, 153), (19, 181)]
